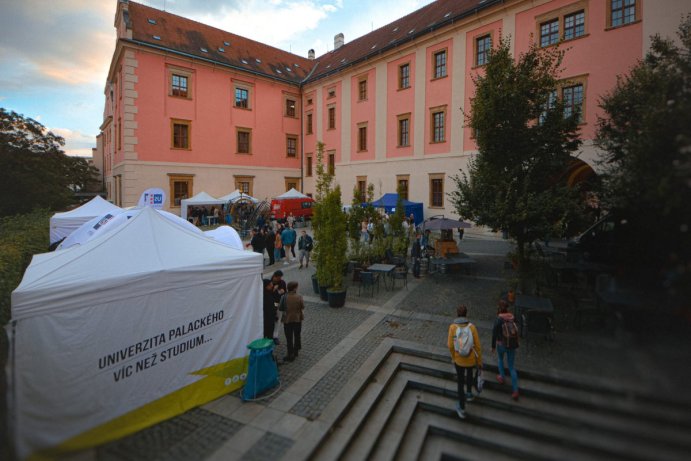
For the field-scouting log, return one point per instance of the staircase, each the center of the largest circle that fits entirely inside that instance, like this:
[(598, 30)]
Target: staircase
[(401, 405)]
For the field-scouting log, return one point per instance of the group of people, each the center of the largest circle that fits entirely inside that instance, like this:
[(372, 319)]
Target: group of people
[(281, 243), (199, 214), (282, 302), (466, 352), (367, 228)]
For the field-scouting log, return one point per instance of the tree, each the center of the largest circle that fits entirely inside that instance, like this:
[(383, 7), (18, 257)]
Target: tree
[(645, 137), (517, 181), (34, 171)]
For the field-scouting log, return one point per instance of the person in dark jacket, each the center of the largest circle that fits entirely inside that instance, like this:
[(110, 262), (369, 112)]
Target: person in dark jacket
[(292, 321), (269, 309), (257, 242), (503, 316), (278, 287), (416, 254), (305, 245), (269, 241)]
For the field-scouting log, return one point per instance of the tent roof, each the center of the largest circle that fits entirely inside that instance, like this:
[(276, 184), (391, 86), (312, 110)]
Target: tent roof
[(389, 200), (97, 206), (202, 198), (235, 195), (226, 235), (292, 193), (127, 263)]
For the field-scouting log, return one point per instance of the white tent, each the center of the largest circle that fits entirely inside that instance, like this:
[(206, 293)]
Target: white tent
[(237, 195), (292, 193), (226, 235), (101, 225), (125, 331), (63, 224), (200, 199)]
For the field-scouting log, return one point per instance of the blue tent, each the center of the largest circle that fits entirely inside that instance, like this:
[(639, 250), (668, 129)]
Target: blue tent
[(388, 202)]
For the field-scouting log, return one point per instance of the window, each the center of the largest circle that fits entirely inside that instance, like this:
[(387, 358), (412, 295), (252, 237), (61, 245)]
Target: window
[(309, 101), (574, 25), (290, 108), (404, 76), (180, 187), (332, 118), (440, 64), (549, 32), (291, 146), (482, 47), (332, 163), (119, 135), (404, 130), (402, 183), (180, 134), (179, 85), (572, 97), (362, 137), (242, 98), (244, 184), (308, 169), (551, 102), (436, 190), (362, 188), (309, 123), (623, 12), (292, 183), (244, 140), (362, 90), (438, 125), (331, 93)]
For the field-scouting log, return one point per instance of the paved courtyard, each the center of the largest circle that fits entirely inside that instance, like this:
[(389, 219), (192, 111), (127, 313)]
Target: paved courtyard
[(337, 342)]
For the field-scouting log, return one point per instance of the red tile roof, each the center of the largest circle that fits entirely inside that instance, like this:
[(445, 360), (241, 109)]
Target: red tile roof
[(188, 37)]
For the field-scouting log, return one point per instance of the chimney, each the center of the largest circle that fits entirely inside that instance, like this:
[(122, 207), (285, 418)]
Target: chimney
[(338, 40), (310, 54)]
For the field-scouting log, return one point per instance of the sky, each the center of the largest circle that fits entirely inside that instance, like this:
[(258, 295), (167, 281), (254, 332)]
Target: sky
[(55, 54)]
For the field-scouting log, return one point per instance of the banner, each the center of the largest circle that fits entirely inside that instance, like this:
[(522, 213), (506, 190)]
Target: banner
[(153, 197)]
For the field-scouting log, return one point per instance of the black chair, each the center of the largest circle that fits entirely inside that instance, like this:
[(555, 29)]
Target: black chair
[(400, 273), (368, 279)]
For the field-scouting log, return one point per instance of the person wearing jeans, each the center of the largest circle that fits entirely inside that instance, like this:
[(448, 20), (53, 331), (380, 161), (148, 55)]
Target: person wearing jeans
[(465, 365), (498, 343)]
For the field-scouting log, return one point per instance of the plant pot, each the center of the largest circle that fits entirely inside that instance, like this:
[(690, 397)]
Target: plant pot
[(336, 298), (315, 284), (322, 293)]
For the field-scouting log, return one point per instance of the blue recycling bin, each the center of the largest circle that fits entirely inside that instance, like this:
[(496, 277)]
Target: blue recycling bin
[(262, 372)]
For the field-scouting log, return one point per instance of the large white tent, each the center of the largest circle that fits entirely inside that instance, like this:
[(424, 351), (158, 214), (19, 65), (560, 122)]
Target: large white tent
[(200, 199), (226, 235), (237, 195), (127, 330), (63, 224)]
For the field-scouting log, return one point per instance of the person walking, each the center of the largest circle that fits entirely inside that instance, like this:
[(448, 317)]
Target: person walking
[(416, 254), (288, 239), (278, 246), (305, 245), (292, 321), (505, 341), (466, 354)]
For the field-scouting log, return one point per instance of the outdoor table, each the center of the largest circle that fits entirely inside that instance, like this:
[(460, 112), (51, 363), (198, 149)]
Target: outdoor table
[(527, 303), (386, 269)]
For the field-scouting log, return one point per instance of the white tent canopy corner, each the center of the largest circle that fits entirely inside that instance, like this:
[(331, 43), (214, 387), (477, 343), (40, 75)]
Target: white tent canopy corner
[(292, 193), (127, 330), (200, 199), (64, 223)]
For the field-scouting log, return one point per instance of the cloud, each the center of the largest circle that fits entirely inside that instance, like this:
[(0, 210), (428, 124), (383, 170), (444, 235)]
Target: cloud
[(76, 142), (64, 42)]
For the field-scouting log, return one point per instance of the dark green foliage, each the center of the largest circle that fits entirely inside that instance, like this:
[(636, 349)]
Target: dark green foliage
[(646, 139), (517, 181), (34, 171)]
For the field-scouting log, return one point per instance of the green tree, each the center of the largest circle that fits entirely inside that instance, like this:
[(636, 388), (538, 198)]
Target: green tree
[(34, 171), (516, 182), (645, 137)]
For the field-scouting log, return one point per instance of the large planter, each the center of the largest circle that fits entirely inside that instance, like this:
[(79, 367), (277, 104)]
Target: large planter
[(315, 284), (322, 293), (336, 298)]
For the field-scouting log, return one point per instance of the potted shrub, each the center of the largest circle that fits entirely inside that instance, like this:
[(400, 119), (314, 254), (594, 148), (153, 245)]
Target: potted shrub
[(335, 226)]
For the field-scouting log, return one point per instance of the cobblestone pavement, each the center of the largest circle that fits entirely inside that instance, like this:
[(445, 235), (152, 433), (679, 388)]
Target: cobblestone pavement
[(336, 342)]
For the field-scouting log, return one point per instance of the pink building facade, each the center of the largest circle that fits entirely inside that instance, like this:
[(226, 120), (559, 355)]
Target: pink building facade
[(191, 108)]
